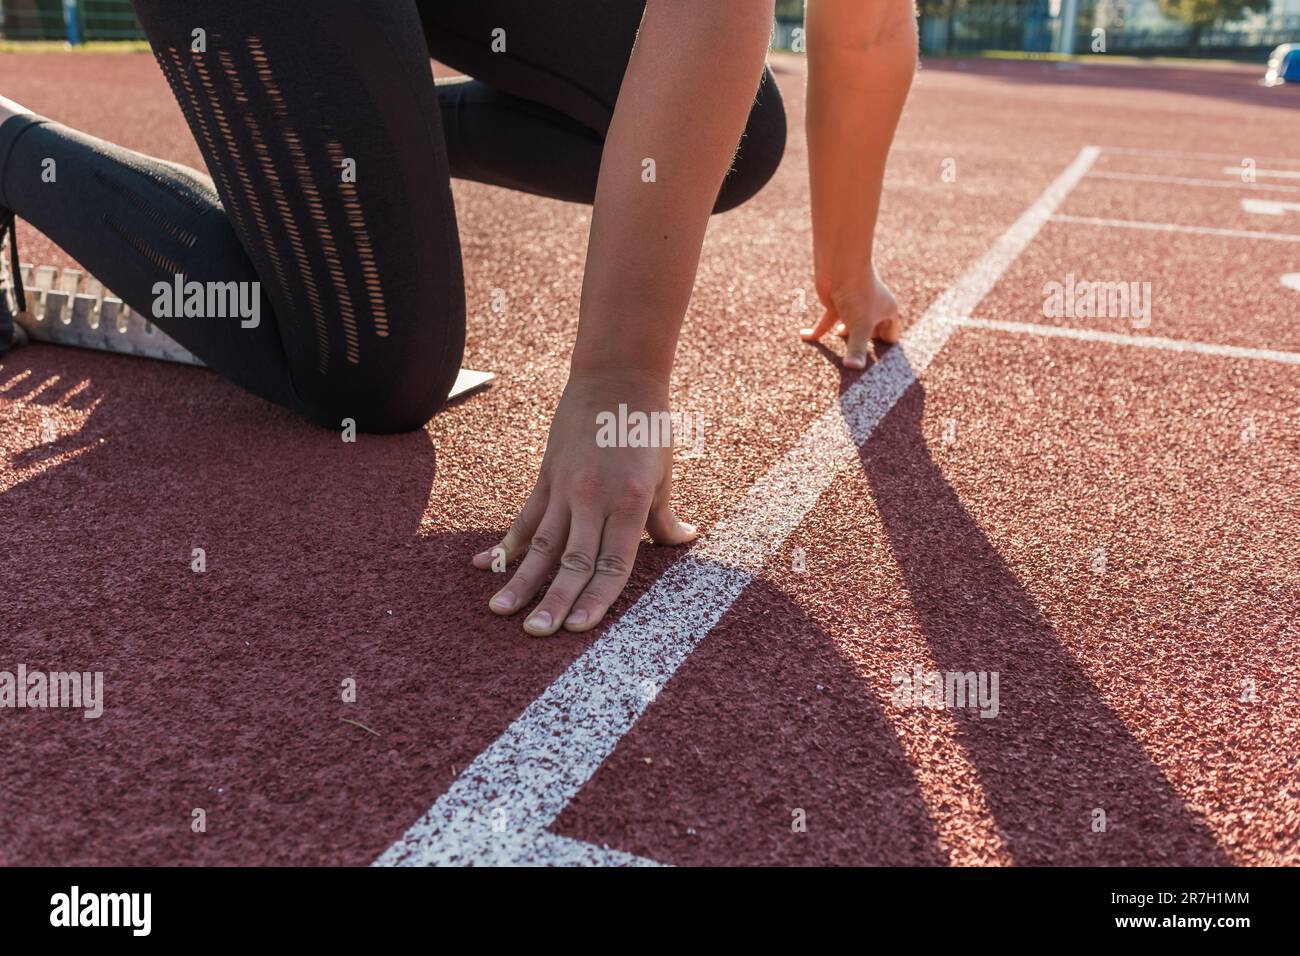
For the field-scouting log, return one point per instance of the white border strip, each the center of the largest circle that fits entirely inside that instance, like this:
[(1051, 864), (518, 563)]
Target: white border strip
[(1175, 154), (1186, 181), (1174, 227), (498, 809), (1280, 173), (1137, 341)]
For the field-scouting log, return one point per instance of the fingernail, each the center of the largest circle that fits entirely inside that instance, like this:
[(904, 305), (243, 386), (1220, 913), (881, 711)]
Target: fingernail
[(853, 361), (504, 601), (541, 620), (806, 333), (687, 527), (576, 619)]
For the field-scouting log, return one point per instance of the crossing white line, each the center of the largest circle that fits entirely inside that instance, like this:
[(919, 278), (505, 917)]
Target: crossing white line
[(1279, 173), (498, 809), (1178, 154), (1175, 227), (1135, 341), (1186, 181)]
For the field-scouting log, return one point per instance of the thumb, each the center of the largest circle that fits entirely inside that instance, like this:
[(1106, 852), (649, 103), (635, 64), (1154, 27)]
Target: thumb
[(665, 527), (859, 342)]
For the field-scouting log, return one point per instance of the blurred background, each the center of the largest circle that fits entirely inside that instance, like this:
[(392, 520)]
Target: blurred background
[(1237, 29)]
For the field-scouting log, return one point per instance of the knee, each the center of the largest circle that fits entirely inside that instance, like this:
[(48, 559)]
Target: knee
[(385, 398), (761, 148)]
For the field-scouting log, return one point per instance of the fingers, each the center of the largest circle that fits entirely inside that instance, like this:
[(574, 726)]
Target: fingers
[(543, 553), (618, 547), (855, 355), (577, 565), (888, 329), (665, 527), (517, 538), (828, 320), (594, 555)]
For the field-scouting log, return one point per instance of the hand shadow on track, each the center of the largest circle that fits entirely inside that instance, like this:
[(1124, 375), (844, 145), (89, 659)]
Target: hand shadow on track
[(221, 687), (1056, 752), (55, 398)]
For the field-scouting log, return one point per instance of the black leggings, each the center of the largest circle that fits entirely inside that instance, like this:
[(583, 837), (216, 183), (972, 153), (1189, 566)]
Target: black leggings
[(331, 151)]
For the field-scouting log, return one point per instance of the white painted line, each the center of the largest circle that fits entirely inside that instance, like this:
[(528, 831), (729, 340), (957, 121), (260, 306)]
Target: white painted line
[(1269, 207), (1175, 227), (1292, 280), (527, 776), (1186, 181), (553, 849), (1136, 341), (1278, 173), (1177, 154)]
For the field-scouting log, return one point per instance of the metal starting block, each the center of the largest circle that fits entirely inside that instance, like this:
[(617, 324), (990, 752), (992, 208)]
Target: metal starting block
[(73, 308)]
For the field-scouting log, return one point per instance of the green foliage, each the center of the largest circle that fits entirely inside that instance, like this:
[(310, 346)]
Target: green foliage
[(1204, 13), (789, 10)]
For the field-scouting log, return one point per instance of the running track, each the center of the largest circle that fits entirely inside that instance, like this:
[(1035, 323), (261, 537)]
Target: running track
[(1104, 515)]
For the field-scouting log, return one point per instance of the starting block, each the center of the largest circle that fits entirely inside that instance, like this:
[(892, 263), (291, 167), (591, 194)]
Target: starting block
[(73, 308)]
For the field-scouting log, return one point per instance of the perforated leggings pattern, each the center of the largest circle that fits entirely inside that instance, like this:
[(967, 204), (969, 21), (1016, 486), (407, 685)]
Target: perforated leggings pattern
[(330, 151)]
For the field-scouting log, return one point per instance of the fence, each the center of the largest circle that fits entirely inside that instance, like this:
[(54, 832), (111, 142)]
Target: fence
[(1221, 40), (970, 26), (75, 21), (947, 26), (962, 26)]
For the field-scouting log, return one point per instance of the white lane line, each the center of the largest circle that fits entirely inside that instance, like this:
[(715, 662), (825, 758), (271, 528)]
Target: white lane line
[(497, 809), (1136, 341), (1186, 181), (1175, 227), (1177, 154), (1277, 173), (1269, 207), (553, 849)]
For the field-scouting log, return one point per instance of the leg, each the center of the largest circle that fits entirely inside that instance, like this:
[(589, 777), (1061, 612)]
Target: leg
[(318, 121), (135, 221), (338, 200), (535, 116)]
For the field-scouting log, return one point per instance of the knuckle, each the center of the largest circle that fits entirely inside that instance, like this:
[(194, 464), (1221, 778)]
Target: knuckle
[(636, 497), (586, 485), (612, 565), (542, 544), (577, 561)]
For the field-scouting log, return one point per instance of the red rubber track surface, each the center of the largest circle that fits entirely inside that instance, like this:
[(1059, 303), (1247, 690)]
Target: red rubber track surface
[(964, 539)]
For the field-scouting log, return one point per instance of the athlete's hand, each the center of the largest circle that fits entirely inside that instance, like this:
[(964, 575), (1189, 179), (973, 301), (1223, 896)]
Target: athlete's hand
[(858, 311), (587, 510)]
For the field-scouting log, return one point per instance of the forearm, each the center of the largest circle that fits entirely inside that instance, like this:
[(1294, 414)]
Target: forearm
[(684, 103), (861, 59)]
